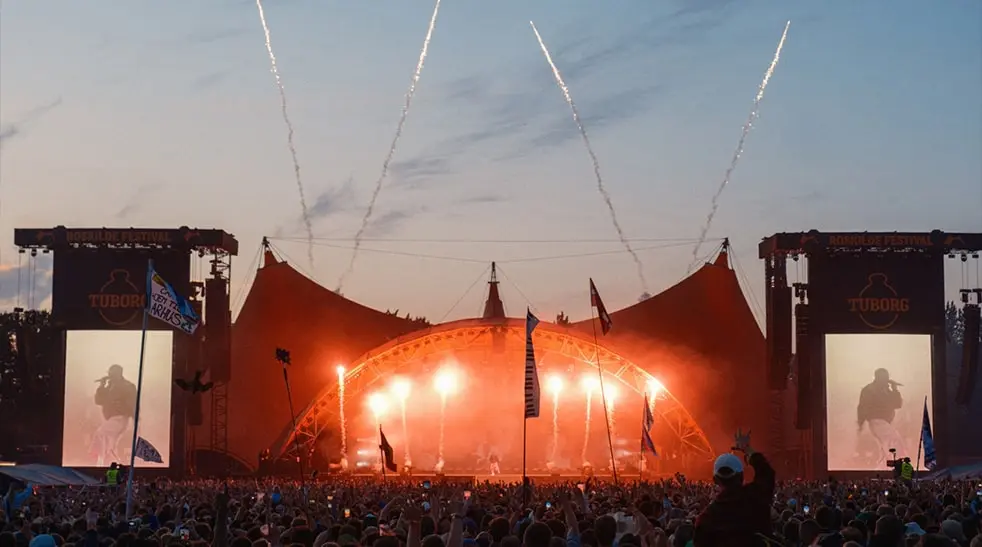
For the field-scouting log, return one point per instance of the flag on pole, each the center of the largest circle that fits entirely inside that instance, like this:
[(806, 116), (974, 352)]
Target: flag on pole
[(146, 451), (596, 302), (531, 375), (647, 422), (930, 458), (386, 448), (165, 304)]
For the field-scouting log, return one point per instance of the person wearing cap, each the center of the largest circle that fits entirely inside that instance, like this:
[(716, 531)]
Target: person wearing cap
[(741, 513)]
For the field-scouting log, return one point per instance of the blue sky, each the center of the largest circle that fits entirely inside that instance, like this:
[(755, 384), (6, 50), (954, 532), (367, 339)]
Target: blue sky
[(151, 113)]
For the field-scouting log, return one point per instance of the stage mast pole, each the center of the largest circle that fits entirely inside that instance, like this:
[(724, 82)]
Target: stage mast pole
[(603, 395), (139, 391)]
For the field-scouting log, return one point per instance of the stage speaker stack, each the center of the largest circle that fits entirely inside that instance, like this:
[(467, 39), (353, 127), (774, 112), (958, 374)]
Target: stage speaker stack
[(218, 330), (970, 355), (779, 337), (803, 417)]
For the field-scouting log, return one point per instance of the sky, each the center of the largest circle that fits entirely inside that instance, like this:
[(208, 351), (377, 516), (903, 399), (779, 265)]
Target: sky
[(163, 114)]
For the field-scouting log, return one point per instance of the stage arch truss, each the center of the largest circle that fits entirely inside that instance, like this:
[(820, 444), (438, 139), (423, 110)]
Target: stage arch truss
[(552, 342)]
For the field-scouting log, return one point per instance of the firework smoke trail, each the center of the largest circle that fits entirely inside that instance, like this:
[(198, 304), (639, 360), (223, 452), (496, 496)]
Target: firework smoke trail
[(392, 148), (586, 436), (289, 135), (739, 149), (593, 158)]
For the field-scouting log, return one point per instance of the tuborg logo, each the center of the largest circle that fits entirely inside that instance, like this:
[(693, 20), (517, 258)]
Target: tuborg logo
[(878, 304), (119, 301)]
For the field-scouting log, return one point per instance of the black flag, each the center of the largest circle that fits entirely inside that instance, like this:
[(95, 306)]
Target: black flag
[(386, 449)]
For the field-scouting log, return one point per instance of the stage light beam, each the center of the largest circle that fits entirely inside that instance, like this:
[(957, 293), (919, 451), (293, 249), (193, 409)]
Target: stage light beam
[(590, 383), (445, 382), (379, 405), (655, 387), (401, 388), (555, 384)]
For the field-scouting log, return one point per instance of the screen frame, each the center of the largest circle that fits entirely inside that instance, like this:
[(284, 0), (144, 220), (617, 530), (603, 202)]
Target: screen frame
[(833, 437), (174, 402)]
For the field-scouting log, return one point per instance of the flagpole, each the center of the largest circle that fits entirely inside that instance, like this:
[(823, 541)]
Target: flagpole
[(139, 391), (293, 416), (641, 452), (920, 443), (380, 451), (603, 395)]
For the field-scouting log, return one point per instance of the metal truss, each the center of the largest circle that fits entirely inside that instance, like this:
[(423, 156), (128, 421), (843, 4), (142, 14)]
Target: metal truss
[(552, 343)]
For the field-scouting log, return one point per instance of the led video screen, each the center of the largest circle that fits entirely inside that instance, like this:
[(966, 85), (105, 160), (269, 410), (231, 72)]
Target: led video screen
[(876, 385), (101, 371)]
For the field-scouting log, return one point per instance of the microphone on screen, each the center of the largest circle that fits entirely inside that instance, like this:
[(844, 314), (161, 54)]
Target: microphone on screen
[(895, 384)]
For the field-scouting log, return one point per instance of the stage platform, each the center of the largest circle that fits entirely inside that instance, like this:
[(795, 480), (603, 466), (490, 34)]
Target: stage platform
[(505, 478)]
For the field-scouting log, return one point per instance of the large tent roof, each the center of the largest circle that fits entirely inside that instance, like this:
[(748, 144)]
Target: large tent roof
[(705, 316), (706, 319), (320, 328)]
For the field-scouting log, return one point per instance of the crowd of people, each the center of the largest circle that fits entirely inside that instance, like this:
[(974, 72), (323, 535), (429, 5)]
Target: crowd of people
[(738, 508)]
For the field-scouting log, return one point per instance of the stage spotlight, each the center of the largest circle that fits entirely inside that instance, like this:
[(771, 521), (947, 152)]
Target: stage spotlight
[(378, 404), (445, 382), (401, 388), (555, 384), (590, 382), (611, 392), (655, 387), (340, 370)]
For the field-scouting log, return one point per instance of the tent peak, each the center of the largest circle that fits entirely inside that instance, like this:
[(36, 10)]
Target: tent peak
[(494, 308), (269, 258)]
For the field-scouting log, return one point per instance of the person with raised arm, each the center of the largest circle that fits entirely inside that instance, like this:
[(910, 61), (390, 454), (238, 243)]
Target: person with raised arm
[(740, 515)]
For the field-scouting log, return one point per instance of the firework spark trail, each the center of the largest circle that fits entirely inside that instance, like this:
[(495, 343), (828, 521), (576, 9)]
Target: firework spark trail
[(555, 425), (344, 422), (443, 423), (392, 148), (739, 149), (593, 158), (289, 135), (405, 435), (586, 436)]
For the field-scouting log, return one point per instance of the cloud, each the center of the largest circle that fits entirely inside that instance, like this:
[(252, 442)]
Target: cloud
[(389, 221), (26, 283), (481, 200), (17, 128), (135, 203), (333, 200), (210, 79), (530, 101), (415, 172), (210, 36)]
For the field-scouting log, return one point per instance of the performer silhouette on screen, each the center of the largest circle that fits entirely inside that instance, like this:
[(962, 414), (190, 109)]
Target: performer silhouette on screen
[(117, 397), (878, 405)]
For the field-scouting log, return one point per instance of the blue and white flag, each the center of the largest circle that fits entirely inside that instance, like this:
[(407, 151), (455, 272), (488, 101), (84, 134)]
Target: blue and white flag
[(531, 375), (927, 438), (165, 304), (647, 422), (146, 452)]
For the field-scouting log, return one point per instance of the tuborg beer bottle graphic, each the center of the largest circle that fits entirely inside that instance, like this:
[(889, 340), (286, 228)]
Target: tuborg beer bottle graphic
[(878, 304), (119, 301)]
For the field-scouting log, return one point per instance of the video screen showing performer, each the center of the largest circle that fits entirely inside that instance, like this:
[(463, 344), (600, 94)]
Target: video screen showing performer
[(101, 372), (876, 385)]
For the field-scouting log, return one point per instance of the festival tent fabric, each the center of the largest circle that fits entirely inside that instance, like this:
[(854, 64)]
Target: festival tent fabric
[(320, 328), (704, 327)]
